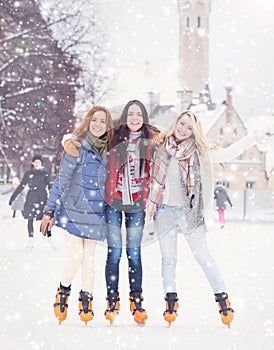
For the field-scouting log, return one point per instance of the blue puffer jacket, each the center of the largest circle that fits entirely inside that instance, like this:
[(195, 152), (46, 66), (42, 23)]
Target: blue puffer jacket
[(77, 196)]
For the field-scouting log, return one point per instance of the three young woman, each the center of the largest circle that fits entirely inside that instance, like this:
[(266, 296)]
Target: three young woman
[(179, 197), (77, 205)]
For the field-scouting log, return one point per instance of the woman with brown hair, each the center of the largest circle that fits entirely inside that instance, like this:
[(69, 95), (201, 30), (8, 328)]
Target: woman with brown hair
[(76, 204)]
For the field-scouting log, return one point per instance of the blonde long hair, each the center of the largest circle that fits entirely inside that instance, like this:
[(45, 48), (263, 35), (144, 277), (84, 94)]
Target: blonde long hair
[(202, 143), (82, 130)]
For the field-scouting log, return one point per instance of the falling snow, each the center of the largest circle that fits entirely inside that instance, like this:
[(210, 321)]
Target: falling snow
[(243, 250), (142, 42)]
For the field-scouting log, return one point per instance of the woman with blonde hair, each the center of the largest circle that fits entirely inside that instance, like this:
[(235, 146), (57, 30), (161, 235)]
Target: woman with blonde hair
[(178, 197), (181, 196), (76, 204)]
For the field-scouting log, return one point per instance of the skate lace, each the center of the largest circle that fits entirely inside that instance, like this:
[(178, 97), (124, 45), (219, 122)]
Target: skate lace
[(171, 305), (112, 301), (63, 299), (171, 300), (221, 299), (85, 298), (137, 300)]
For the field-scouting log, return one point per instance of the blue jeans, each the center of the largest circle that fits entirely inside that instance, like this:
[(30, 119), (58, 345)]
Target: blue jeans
[(134, 223)]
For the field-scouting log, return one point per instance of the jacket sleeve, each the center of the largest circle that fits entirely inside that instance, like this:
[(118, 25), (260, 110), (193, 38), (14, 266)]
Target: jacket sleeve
[(20, 187), (62, 181), (228, 199), (222, 155)]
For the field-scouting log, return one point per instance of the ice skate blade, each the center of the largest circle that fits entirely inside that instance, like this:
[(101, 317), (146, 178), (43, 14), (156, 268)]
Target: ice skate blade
[(227, 319), (86, 317), (110, 316), (140, 317), (61, 316), (170, 317), (140, 323)]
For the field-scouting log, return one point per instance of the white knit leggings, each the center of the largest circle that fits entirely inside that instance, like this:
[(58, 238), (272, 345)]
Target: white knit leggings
[(167, 221), (79, 252)]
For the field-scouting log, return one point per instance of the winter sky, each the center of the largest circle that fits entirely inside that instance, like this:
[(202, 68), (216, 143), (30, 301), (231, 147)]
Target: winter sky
[(241, 50), (143, 51)]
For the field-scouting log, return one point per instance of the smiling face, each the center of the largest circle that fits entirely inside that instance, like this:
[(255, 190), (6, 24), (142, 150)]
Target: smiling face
[(184, 128), (98, 124), (37, 164), (135, 118)]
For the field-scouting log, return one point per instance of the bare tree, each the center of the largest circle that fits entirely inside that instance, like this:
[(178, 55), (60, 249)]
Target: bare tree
[(38, 86), (78, 25), (47, 64)]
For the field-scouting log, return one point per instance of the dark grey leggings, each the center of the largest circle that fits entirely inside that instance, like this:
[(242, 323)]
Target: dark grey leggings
[(30, 227)]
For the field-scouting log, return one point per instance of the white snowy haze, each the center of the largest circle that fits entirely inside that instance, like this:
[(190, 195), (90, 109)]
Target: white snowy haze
[(29, 279), (142, 51), (142, 45)]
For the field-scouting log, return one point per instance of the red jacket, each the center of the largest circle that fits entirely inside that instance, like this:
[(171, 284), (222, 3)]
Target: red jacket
[(113, 173)]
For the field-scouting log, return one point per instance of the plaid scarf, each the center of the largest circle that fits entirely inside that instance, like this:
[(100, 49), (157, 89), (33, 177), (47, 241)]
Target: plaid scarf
[(183, 152)]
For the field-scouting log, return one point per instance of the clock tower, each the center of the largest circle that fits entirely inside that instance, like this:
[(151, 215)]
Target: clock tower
[(194, 44)]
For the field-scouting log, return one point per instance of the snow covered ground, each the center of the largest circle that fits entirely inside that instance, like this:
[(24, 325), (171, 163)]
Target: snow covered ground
[(243, 250)]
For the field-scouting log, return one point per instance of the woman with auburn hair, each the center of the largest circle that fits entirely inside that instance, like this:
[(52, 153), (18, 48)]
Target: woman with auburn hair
[(76, 204)]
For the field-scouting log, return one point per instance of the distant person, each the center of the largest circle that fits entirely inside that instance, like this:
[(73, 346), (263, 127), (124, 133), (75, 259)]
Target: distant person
[(39, 183), (221, 197), (76, 204), (18, 203)]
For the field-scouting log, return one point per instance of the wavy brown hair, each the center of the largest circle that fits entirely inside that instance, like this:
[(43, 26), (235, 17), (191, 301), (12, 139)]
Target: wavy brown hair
[(81, 131)]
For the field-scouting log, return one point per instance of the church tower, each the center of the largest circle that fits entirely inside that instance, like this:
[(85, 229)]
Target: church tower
[(194, 44)]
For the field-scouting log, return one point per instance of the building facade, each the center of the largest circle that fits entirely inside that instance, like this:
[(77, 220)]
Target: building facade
[(221, 122)]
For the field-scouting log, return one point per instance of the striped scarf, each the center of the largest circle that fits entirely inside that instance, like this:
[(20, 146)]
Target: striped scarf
[(131, 178), (183, 152)]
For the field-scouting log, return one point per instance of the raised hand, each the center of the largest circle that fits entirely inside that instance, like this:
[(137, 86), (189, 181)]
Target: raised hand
[(71, 147)]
